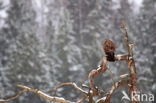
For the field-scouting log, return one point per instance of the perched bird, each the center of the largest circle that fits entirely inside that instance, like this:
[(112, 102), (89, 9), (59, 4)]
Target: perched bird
[(109, 49)]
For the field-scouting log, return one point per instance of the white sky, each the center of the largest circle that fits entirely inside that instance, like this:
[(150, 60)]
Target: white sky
[(137, 2), (3, 13)]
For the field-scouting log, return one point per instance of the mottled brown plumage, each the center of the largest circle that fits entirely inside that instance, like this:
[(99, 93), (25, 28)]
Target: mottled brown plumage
[(109, 49)]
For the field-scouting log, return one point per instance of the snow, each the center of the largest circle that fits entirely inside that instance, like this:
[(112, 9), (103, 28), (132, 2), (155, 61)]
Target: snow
[(136, 4)]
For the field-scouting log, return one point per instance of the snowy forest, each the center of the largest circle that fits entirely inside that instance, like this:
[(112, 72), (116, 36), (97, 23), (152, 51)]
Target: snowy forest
[(47, 42)]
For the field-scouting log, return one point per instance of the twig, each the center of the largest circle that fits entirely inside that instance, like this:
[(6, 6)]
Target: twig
[(74, 85), (110, 93), (131, 66), (94, 73), (38, 92), (82, 99), (77, 88), (121, 57), (124, 30), (41, 94), (124, 76), (13, 98)]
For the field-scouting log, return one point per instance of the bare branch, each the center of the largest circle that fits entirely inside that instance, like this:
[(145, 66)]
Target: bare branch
[(131, 66), (38, 92), (117, 85), (41, 94), (124, 30), (124, 76), (82, 99), (121, 57), (13, 98), (74, 85), (94, 73)]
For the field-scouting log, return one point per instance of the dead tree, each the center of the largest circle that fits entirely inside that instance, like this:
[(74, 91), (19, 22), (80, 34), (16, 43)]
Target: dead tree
[(109, 49)]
